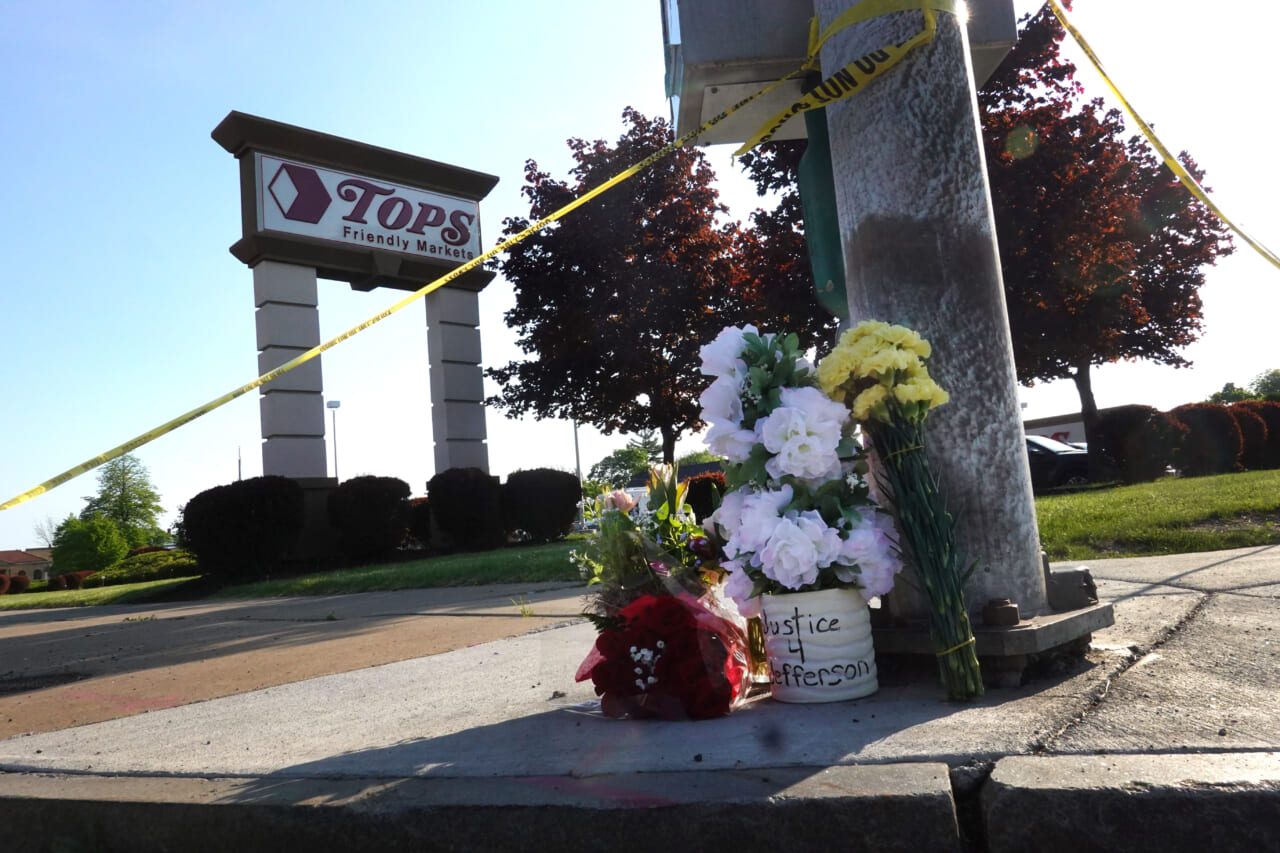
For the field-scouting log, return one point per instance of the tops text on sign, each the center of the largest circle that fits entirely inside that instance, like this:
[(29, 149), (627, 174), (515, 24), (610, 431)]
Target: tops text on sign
[(312, 201)]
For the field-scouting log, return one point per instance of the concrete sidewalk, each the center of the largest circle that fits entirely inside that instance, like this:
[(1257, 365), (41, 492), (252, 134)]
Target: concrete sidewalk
[(75, 666), (1166, 736)]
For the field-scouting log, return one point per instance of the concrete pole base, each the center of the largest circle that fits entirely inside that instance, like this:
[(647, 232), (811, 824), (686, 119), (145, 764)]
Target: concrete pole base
[(1004, 652)]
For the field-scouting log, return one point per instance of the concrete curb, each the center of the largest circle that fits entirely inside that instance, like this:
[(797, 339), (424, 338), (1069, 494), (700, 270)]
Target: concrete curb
[(902, 807), (1080, 803)]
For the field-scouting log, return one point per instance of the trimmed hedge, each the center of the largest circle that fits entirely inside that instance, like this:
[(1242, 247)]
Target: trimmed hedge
[(704, 492), (542, 502), (18, 583), (4, 584), (151, 565), (76, 580), (1115, 436), (1154, 448), (245, 529), (1213, 442), (466, 504), (1253, 435), (1270, 414), (371, 516), (420, 521)]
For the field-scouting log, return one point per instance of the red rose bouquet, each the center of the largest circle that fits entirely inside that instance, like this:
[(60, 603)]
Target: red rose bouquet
[(666, 656)]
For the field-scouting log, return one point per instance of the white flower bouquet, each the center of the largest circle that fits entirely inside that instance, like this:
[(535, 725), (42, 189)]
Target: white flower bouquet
[(797, 514)]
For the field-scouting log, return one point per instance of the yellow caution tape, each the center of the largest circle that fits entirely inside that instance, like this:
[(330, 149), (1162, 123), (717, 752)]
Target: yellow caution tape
[(1188, 181), (857, 74)]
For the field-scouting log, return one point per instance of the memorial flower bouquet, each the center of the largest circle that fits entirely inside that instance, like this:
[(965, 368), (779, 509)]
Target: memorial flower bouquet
[(658, 552), (666, 648), (878, 372), (666, 656), (797, 514)]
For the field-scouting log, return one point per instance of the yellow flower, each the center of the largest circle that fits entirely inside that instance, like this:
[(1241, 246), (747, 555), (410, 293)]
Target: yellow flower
[(890, 359), (890, 356), (834, 370), (871, 403), (921, 389), (904, 338)]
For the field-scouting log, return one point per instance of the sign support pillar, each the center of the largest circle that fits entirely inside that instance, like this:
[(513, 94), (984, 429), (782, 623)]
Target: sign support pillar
[(291, 407), (457, 381)]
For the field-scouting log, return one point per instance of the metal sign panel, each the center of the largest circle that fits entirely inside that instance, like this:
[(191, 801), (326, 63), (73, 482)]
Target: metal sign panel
[(306, 200)]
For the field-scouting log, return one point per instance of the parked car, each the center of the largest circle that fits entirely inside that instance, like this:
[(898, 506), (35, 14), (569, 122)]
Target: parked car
[(1055, 464)]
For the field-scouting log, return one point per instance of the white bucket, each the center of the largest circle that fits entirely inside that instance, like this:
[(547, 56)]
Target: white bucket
[(819, 646)]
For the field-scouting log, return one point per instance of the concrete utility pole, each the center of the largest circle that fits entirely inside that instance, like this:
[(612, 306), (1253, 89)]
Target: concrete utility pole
[(919, 247)]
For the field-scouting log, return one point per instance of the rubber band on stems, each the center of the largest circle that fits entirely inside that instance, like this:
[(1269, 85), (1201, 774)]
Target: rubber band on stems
[(957, 648), (902, 450)]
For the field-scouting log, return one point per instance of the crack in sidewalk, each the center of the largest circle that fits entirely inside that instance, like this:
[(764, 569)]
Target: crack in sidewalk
[(1138, 654)]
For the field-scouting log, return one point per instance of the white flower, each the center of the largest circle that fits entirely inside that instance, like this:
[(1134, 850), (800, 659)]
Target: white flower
[(870, 546), (728, 439), (722, 357), (721, 401), (728, 515), (756, 521), (790, 557), (803, 433), (738, 587), (827, 544)]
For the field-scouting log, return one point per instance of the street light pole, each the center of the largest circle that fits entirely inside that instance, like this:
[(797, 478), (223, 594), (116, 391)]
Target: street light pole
[(334, 405), (577, 463)]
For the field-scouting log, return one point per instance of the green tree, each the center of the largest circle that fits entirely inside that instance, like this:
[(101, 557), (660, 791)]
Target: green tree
[(127, 497), (648, 441), (1267, 385), (87, 544), (697, 457), (592, 489), (1230, 393), (620, 466)]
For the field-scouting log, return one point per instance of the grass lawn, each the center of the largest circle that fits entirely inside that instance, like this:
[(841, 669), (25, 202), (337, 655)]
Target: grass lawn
[(1169, 516), (529, 564), (124, 594)]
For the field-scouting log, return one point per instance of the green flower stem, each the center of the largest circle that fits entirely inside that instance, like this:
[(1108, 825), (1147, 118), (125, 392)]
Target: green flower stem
[(929, 542)]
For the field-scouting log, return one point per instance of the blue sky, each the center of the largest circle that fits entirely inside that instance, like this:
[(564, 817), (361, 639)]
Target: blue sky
[(122, 307)]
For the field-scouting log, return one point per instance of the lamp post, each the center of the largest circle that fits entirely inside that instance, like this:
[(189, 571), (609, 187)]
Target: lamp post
[(577, 464), (335, 405)]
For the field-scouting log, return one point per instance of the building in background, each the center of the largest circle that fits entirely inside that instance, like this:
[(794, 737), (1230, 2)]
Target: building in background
[(34, 563)]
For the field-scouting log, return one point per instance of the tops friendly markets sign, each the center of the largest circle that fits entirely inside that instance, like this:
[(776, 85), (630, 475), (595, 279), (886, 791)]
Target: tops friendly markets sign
[(311, 201), (351, 211)]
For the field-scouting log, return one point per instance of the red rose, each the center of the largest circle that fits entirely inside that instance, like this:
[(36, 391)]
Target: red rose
[(663, 615), (698, 676), (671, 658)]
